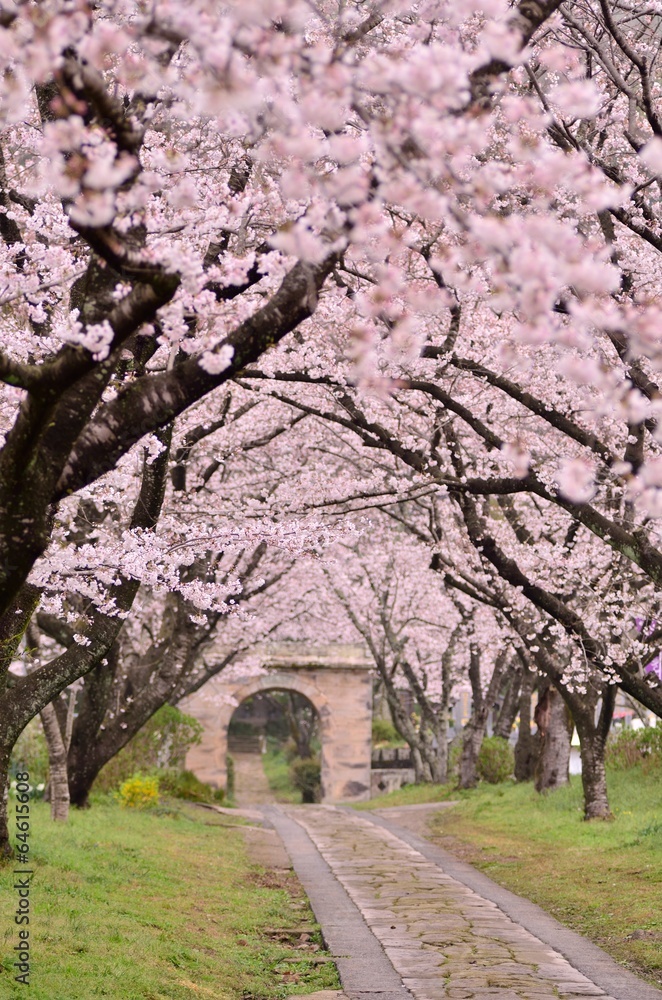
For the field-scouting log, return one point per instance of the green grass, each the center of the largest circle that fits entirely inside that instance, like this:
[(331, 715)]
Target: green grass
[(277, 770), (142, 906), (411, 795), (602, 879)]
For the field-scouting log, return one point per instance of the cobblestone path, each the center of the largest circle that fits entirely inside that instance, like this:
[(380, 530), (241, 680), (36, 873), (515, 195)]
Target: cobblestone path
[(444, 940)]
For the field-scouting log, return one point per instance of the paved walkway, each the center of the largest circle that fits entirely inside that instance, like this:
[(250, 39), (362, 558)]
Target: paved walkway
[(251, 785), (440, 939)]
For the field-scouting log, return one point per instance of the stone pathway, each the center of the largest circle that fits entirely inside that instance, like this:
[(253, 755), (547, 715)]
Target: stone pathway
[(445, 941), (251, 785)]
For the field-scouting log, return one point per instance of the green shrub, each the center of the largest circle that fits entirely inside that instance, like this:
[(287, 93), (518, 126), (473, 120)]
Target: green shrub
[(184, 785), (30, 754), (384, 732), (230, 776), (635, 746), (454, 754), (163, 742), (305, 774), (289, 749), (651, 743), (623, 751), (139, 792), (496, 760)]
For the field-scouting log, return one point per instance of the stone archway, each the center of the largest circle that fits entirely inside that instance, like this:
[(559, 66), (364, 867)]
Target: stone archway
[(335, 678)]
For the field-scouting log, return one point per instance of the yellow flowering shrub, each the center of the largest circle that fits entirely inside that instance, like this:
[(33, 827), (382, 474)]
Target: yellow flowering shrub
[(139, 792)]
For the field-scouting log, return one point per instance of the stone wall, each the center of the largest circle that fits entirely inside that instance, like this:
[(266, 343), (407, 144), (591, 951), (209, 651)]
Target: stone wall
[(383, 779), (335, 678)]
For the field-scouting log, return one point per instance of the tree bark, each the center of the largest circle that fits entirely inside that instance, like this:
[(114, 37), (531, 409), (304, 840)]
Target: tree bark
[(510, 707), (474, 731), (84, 759), (439, 762), (555, 727), (471, 744), (301, 728), (593, 741), (57, 764), (5, 844), (525, 751)]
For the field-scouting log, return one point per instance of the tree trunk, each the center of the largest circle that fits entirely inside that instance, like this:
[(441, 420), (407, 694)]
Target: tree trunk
[(404, 726), (419, 766), (592, 742), (380, 707), (555, 727), (594, 778), (503, 726), (471, 744), (525, 751), (439, 764), (439, 754), (23, 699), (5, 844), (57, 762), (474, 731), (301, 728), (80, 783)]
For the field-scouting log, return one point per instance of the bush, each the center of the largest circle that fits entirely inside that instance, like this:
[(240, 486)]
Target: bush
[(163, 741), (30, 754), (185, 785), (289, 749), (635, 746), (230, 775), (454, 754), (384, 732), (496, 760), (306, 774), (139, 792)]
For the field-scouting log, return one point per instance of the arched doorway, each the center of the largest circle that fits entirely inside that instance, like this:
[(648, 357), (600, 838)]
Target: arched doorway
[(336, 680), (274, 747)]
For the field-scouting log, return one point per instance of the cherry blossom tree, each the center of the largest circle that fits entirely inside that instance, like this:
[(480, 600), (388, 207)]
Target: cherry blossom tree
[(191, 597), (161, 288), (395, 605), (454, 536), (439, 226)]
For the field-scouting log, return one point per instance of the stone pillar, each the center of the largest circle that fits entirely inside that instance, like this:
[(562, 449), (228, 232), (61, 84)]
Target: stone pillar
[(346, 735)]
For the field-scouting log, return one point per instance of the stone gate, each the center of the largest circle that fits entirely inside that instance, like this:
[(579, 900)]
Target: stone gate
[(335, 678)]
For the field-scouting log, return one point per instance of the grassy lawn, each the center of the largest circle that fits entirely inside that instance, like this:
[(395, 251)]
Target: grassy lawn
[(602, 879), (144, 906), (411, 795), (277, 770)]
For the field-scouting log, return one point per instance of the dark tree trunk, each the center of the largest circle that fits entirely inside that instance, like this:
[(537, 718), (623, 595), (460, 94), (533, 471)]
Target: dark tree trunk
[(474, 731), (439, 755), (404, 726), (81, 779), (23, 698), (471, 743), (420, 776), (594, 778), (555, 727), (84, 761), (100, 732), (592, 734), (503, 726), (593, 741), (525, 748), (5, 844), (301, 719)]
